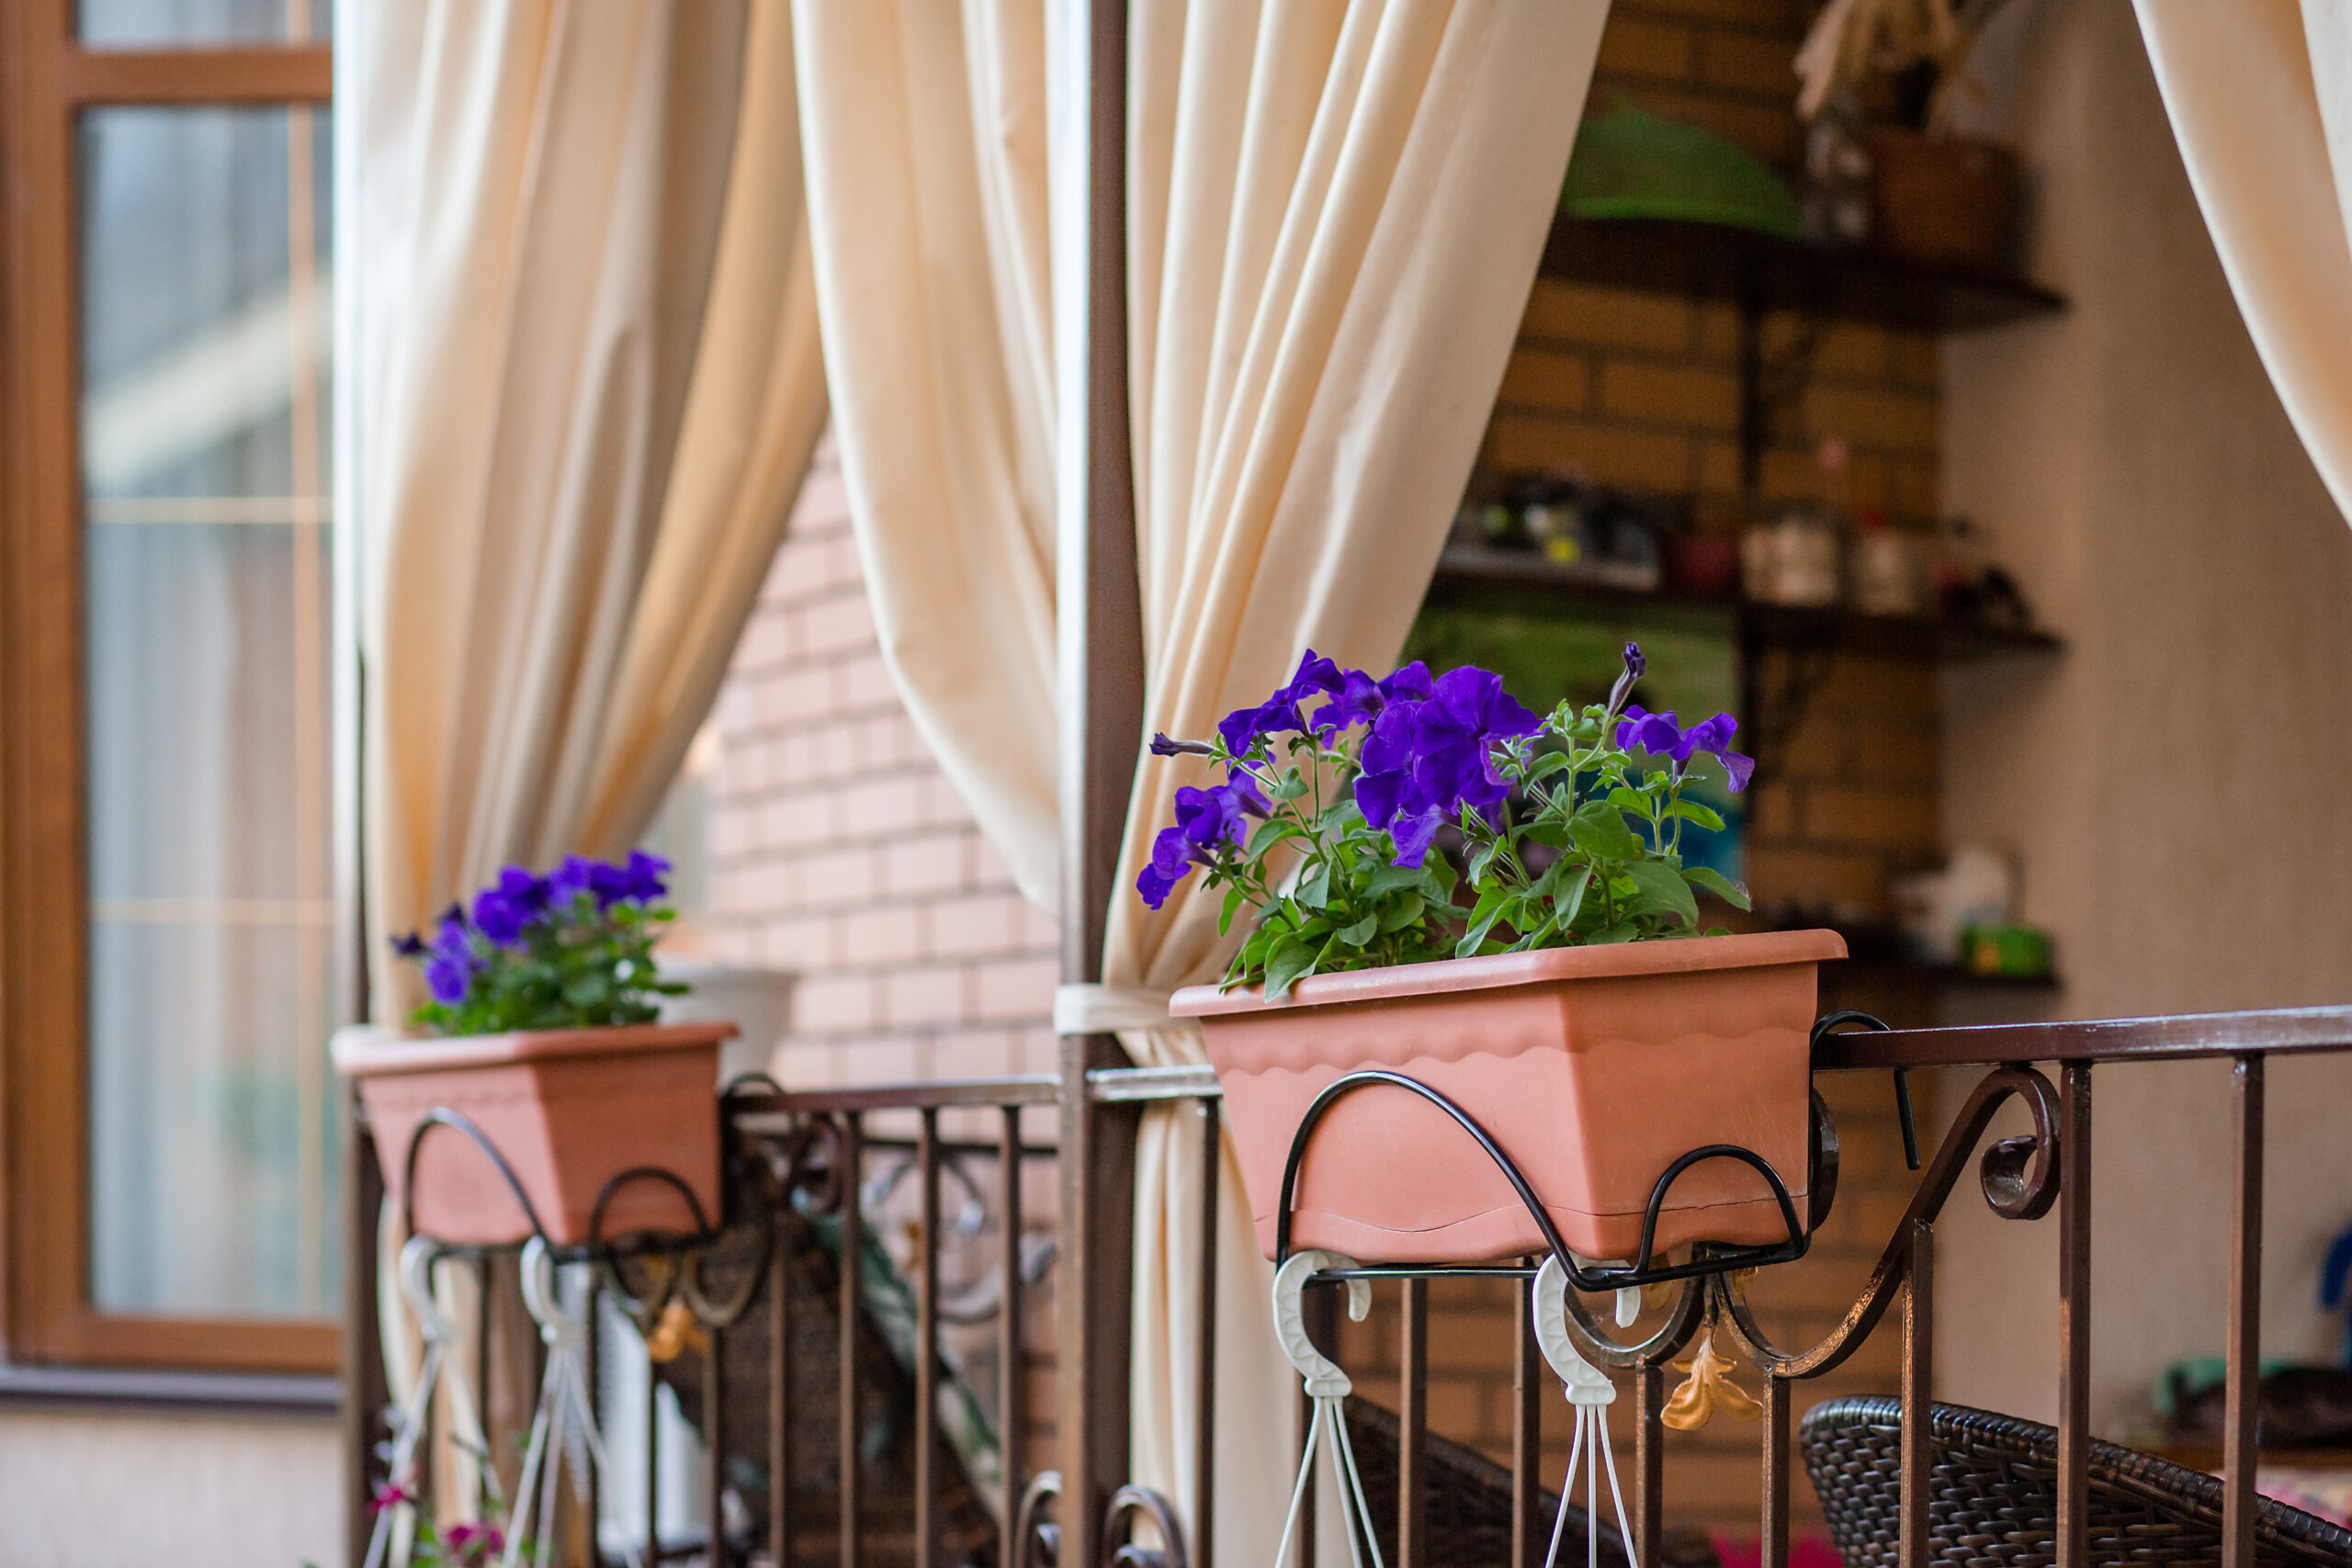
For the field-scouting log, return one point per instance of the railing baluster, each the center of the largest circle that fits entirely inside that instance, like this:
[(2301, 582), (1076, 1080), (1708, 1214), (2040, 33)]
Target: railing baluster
[(714, 1438), (1012, 1365), (927, 1349), (2074, 1316), (779, 1399), (1413, 1427), (1204, 1543), (1527, 1538), (591, 1485), (653, 1459), (1775, 1538), (2238, 1425), (1649, 1460), (853, 1244), (1918, 1393)]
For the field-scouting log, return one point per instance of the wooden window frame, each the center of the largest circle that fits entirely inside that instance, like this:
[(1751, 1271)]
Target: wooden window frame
[(47, 79)]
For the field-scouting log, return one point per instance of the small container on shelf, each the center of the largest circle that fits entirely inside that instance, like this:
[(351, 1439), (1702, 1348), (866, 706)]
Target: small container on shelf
[(1792, 560), (1890, 572)]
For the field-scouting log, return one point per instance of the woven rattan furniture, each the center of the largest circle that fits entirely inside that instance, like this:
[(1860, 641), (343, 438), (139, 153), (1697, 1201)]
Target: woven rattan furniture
[(1994, 1497)]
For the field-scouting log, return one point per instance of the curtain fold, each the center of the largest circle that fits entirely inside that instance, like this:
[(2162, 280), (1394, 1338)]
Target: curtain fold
[(1336, 208), (1336, 214), (589, 386), (2260, 97)]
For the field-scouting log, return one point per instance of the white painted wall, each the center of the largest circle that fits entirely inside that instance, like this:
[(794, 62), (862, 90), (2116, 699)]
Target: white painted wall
[(80, 1490), (2176, 784)]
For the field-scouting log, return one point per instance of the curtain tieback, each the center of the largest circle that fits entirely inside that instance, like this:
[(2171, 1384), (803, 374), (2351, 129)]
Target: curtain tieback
[(1089, 1008)]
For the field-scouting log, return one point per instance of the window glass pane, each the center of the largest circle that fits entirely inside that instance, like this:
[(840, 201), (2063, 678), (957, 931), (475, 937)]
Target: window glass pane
[(149, 24), (206, 319)]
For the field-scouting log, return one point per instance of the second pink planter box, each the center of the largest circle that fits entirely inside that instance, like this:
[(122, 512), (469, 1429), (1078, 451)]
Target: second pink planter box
[(1593, 1067)]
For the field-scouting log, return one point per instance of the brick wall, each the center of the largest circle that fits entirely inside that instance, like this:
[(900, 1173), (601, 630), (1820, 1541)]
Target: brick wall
[(839, 850)]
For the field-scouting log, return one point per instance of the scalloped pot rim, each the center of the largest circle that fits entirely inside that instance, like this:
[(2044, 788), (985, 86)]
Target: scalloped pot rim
[(1685, 955), (371, 1050)]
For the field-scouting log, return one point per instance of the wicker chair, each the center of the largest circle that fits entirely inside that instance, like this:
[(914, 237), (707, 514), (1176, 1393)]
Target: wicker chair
[(1994, 1496)]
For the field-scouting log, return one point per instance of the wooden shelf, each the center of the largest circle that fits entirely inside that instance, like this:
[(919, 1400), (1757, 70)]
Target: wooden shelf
[(1760, 273), (1467, 571)]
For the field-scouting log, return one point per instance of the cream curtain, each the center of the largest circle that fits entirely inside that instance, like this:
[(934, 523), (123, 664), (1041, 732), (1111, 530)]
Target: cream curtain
[(1335, 212), (590, 385), (587, 380), (2260, 95)]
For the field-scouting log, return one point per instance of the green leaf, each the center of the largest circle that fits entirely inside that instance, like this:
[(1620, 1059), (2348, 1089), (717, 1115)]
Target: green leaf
[(1290, 787), (1566, 908), (1233, 900), (1271, 832), (1662, 889), (1640, 805), (1406, 913), (1544, 766), (1704, 816), (1716, 883), (1623, 931), (1388, 879), (1361, 931), (1482, 920), (1291, 960), (1315, 888), (1604, 834)]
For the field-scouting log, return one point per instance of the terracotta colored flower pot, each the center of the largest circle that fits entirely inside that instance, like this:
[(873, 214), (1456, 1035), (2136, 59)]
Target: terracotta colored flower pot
[(1594, 1068), (568, 1110)]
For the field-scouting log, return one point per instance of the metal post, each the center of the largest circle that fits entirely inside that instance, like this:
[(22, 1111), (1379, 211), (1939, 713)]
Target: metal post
[(1775, 1538), (2239, 1431), (1011, 1402), (1204, 1554), (927, 1347), (852, 1250), (1098, 633), (2074, 1316), (1649, 1460), (1527, 1536), (364, 1392), (1413, 1429), (1918, 1393)]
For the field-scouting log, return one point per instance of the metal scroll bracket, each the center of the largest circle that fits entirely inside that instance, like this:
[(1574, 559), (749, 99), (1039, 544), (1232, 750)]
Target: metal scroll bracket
[(1708, 1258), (1870, 1022)]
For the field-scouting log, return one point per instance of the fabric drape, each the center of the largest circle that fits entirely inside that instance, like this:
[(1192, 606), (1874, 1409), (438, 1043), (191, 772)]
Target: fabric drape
[(591, 385), (2260, 97), (588, 386), (1335, 212)]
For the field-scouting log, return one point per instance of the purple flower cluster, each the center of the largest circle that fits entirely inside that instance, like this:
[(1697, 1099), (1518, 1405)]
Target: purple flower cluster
[(1204, 819), (1431, 752), (504, 911), (1660, 735)]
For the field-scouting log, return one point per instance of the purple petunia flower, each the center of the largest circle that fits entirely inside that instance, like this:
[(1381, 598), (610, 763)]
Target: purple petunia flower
[(507, 905), (1279, 714), (1414, 833), (1204, 819), (1427, 757), (1358, 701), (1714, 736), (409, 946), (1658, 734), (1172, 860), (1655, 733), (645, 877), (1384, 786), (1409, 683), (1453, 734)]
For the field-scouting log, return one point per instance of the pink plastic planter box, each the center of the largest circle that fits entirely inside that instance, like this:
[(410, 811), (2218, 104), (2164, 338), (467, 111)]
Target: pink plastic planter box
[(1593, 1067), (568, 1108)]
